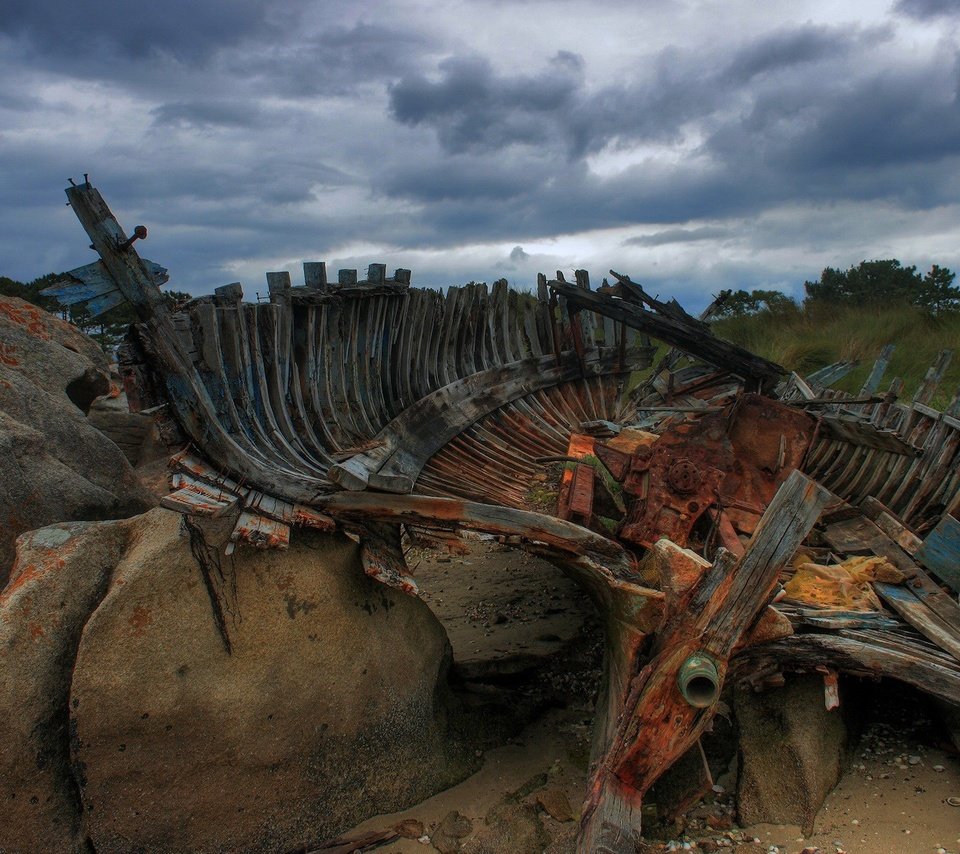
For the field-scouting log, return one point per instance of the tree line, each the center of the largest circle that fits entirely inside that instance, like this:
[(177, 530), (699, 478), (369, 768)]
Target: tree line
[(882, 282), (107, 329)]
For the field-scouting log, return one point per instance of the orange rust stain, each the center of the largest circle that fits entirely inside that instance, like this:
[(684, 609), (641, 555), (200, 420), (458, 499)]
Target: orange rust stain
[(114, 390), (18, 578), (54, 559), (36, 630), (26, 315), (140, 619), (7, 355)]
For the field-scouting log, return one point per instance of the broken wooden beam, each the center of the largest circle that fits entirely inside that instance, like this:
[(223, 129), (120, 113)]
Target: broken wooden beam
[(678, 332), (707, 610)]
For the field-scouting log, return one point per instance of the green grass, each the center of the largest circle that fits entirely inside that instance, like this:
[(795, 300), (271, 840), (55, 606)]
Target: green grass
[(805, 339)]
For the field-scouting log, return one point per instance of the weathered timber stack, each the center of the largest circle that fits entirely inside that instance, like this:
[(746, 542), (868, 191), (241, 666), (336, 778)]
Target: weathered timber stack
[(682, 505)]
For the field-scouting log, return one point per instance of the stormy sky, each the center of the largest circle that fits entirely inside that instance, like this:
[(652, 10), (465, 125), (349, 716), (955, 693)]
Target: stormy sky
[(694, 145)]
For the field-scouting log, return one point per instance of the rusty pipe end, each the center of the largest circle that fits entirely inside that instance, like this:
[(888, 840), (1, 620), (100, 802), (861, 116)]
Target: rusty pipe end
[(699, 681)]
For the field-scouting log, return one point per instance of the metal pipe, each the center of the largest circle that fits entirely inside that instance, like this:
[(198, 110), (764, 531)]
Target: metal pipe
[(699, 681)]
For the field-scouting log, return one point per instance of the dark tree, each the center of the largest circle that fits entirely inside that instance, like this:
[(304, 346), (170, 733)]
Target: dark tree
[(887, 282), (741, 303)]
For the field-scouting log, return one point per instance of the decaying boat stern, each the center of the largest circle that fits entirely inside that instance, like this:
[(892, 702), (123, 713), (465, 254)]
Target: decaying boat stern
[(689, 490)]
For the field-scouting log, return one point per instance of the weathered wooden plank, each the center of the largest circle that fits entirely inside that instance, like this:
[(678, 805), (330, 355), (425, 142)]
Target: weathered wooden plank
[(940, 551), (260, 532), (120, 260), (830, 374), (933, 377), (382, 557), (918, 615), (607, 557), (857, 432), (860, 653), (872, 382), (408, 441), (315, 275)]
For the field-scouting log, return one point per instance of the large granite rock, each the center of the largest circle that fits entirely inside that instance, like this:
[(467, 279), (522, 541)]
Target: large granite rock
[(792, 753), (156, 695), (54, 465), (60, 575), (131, 432), (253, 703)]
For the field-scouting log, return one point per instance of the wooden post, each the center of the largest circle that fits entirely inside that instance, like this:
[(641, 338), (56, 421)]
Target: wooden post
[(122, 262), (708, 609)]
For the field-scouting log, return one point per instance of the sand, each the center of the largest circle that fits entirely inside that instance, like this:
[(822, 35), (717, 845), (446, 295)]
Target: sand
[(505, 610)]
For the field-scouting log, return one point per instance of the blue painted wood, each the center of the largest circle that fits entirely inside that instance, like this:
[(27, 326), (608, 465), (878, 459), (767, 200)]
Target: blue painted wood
[(92, 284), (831, 374), (876, 374), (940, 551), (78, 292), (100, 305)]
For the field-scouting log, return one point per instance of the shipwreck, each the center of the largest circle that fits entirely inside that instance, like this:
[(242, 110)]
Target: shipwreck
[(731, 520)]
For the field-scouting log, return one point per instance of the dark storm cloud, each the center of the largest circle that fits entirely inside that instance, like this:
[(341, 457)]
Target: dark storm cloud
[(336, 61), (477, 178), (924, 9), (786, 49), (473, 108), (184, 30), (246, 130), (849, 139), (795, 116)]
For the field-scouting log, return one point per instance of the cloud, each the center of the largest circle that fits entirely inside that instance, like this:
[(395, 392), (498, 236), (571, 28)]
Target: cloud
[(208, 113), (472, 108), (338, 60), (182, 30), (727, 146), (678, 235), (786, 49), (926, 9)]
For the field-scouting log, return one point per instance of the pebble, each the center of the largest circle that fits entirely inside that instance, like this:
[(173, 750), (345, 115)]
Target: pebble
[(914, 760), (938, 768)]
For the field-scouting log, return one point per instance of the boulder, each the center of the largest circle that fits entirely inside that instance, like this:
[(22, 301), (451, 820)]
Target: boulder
[(792, 752), (60, 575), (258, 702), (54, 465), (131, 432)]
